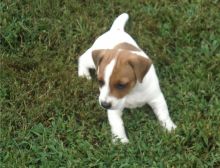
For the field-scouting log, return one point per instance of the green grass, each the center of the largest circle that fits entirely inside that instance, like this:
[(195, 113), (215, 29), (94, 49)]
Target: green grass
[(51, 118)]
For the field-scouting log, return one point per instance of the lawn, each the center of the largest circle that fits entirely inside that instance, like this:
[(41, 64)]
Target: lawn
[(51, 118)]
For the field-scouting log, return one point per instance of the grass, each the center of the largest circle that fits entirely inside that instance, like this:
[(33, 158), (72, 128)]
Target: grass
[(51, 118)]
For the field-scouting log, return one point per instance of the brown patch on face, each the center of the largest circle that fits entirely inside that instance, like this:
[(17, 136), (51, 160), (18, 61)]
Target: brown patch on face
[(128, 69), (101, 59), (126, 46)]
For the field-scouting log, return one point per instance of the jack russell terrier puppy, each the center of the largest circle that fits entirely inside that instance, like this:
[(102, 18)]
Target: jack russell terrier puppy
[(126, 76)]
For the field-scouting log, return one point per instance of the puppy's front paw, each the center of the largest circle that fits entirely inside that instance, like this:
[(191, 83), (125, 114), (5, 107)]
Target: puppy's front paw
[(124, 140)]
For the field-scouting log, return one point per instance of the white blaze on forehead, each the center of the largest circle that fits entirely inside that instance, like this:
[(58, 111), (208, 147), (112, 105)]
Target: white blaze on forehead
[(104, 91), (108, 71)]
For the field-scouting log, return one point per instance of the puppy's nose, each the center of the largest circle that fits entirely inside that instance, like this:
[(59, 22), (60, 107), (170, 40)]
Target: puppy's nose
[(106, 105)]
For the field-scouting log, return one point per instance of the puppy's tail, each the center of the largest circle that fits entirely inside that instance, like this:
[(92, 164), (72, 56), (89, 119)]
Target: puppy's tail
[(119, 22)]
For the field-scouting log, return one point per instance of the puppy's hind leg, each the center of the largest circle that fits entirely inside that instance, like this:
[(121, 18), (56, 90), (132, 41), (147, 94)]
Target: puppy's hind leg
[(85, 63), (160, 109)]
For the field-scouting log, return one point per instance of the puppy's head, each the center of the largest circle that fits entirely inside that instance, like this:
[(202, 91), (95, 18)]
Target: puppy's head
[(118, 71)]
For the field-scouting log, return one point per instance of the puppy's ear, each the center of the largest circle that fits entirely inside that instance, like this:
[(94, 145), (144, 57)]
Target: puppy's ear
[(140, 65), (97, 56)]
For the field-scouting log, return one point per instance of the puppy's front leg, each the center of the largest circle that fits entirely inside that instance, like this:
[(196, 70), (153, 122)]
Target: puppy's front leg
[(159, 107), (85, 63), (117, 126)]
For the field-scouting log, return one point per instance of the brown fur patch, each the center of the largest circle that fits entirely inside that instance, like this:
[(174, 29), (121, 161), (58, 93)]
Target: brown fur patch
[(102, 58), (126, 46), (129, 68), (122, 74)]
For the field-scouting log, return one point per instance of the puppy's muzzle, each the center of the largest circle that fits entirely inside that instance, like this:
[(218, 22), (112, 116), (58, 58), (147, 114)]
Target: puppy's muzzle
[(106, 105)]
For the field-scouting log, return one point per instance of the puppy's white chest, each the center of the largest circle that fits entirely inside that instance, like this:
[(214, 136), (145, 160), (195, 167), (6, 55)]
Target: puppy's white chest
[(134, 103), (135, 100)]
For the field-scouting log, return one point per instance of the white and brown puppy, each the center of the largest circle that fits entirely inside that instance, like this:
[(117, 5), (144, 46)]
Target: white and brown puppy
[(126, 75)]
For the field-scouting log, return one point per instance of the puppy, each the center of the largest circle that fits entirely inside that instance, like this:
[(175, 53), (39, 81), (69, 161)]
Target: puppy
[(126, 76)]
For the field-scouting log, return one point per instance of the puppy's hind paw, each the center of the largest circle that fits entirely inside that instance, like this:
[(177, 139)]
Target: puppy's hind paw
[(84, 74), (170, 126)]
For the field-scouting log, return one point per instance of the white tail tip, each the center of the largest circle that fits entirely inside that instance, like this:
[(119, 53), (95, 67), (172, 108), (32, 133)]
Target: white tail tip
[(119, 22)]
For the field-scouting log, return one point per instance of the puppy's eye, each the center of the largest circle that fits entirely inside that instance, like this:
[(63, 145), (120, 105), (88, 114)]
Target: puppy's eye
[(120, 86), (101, 83)]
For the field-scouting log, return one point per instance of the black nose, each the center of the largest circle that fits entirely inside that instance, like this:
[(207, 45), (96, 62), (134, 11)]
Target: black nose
[(106, 105)]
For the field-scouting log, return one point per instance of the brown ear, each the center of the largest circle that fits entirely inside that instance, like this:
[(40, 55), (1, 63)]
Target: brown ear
[(140, 65), (97, 56)]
